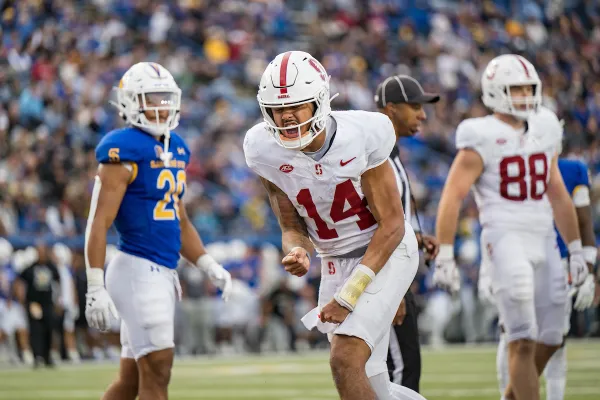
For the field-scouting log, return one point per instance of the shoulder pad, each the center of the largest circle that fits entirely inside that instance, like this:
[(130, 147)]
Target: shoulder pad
[(118, 146)]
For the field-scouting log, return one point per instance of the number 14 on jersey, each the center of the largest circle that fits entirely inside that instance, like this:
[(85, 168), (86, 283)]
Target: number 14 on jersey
[(344, 193)]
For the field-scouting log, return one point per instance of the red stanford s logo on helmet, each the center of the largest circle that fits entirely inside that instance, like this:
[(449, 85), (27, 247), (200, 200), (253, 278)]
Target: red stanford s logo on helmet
[(292, 79)]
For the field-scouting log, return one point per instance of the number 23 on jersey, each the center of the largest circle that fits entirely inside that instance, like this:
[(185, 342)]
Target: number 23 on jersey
[(176, 184)]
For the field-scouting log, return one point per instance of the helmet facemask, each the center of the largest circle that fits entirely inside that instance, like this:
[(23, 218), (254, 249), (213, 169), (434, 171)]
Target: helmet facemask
[(523, 107), (134, 105), (285, 136)]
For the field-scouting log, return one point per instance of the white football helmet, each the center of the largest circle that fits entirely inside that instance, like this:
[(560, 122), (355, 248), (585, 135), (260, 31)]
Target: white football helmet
[(149, 86), (294, 78), (503, 72)]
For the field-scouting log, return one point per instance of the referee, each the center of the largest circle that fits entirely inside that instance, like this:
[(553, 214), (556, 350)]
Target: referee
[(401, 98)]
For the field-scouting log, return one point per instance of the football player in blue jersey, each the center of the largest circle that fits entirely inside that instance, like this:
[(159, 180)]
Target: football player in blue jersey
[(576, 178), (140, 182)]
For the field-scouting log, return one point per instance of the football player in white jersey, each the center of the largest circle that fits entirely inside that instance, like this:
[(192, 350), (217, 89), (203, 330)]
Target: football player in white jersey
[(575, 176), (510, 157), (333, 189)]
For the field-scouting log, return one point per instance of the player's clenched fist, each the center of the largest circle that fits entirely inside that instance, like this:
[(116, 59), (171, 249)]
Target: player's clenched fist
[(333, 312), (297, 261)]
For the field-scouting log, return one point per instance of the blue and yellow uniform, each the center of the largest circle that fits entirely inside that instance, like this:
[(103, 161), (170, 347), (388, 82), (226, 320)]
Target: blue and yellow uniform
[(576, 178), (148, 218)]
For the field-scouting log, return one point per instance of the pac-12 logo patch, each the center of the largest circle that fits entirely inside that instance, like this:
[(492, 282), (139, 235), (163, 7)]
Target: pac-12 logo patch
[(287, 168)]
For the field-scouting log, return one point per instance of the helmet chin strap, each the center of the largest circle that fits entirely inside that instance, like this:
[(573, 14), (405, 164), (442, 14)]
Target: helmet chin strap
[(166, 155)]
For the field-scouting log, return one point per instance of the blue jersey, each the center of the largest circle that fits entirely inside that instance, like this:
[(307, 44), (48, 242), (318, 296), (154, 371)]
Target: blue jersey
[(148, 218), (575, 175)]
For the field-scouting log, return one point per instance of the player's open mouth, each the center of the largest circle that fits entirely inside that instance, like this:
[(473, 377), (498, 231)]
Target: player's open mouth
[(291, 133)]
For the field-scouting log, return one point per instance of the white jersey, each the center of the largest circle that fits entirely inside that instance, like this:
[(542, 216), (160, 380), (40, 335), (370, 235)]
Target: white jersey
[(327, 193), (511, 189)]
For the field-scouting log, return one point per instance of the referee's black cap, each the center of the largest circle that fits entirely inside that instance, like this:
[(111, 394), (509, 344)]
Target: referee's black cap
[(403, 89)]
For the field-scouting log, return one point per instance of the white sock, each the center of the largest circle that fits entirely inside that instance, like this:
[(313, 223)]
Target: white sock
[(113, 353), (403, 393), (74, 356), (502, 364), (556, 375), (28, 357), (97, 353), (386, 390), (55, 356)]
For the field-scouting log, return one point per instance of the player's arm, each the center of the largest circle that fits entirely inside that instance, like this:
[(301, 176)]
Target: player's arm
[(192, 249), (565, 215), (293, 228), (109, 189), (465, 170), (381, 191), (565, 218), (581, 199), (586, 228)]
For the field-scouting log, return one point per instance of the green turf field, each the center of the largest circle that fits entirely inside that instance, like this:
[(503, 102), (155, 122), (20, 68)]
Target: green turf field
[(453, 373)]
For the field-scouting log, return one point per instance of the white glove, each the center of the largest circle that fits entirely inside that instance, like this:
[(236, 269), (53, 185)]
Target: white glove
[(484, 290), (446, 275), (585, 294), (577, 265), (218, 275), (99, 306)]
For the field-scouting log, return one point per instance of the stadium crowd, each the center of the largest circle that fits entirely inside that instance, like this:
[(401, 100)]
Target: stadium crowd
[(60, 59)]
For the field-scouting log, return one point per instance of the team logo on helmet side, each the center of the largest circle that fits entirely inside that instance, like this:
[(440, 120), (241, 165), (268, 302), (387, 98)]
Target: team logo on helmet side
[(490, 73), (314, 64)]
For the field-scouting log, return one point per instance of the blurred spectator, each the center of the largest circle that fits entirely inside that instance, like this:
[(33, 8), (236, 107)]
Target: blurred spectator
[(38, 288), (198, 333)]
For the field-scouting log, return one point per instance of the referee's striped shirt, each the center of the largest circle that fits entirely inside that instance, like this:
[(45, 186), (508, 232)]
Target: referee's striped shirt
[(403, 187)]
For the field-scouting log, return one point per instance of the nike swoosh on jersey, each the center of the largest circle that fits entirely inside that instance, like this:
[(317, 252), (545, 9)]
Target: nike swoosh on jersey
[(343, 163)]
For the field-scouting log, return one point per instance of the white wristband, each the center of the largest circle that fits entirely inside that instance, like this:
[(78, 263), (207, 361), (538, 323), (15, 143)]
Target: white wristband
[(590, 254), (347, 296), (446, 252), (95, 276), (575, 246)]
